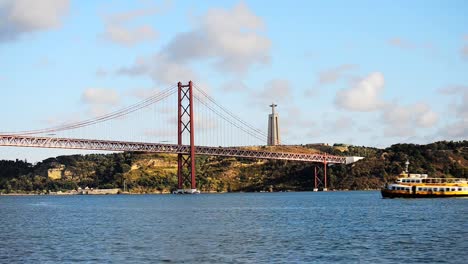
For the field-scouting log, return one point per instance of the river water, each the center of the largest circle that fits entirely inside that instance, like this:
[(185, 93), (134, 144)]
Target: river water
[(331, 227)]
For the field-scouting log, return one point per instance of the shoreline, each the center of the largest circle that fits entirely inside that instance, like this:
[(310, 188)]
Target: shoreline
[(158, 193)]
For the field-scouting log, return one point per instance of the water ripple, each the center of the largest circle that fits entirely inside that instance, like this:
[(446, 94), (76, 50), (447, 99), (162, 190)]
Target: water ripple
[(334, 227)]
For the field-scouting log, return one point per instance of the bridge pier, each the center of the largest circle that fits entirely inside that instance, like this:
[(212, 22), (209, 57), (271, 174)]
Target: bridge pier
[(315, 179), (325, 176), (320, 184)]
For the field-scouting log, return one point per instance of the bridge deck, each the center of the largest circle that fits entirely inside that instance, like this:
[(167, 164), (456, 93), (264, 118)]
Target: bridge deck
[(107, 145)]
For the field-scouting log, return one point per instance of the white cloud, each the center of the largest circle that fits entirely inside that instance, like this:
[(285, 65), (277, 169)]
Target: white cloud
[(427, 119), (457, 129), (295, 124), (140, 67), (334, 74), (100, 96), (398, 120), (277, 91), (404, 121), (233, 39), (161, 70), (25, 16), (118, 31), (124, 17), (167, 72), (460, 93), (129, 36), (364, 96)]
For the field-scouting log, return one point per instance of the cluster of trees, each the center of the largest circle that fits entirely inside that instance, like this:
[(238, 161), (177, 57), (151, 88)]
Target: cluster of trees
[(140, 172)]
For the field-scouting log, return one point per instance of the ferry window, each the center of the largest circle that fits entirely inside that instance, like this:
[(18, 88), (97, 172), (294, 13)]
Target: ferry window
[(447, 189), (459, 189), (454, 189), (434, 189), (412, 181), (419, 189), (424, 180), (393, 188)]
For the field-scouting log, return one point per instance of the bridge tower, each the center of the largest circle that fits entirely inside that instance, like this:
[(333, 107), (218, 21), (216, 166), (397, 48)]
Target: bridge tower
[(185, 125)]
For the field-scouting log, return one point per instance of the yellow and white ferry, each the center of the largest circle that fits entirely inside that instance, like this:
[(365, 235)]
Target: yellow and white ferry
[(421, 186)]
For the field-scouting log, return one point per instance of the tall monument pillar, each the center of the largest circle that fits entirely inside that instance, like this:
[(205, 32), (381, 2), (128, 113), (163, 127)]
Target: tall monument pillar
[(273, 127)]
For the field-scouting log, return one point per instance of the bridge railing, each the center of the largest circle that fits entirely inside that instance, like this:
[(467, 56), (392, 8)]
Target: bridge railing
[(108, 145)]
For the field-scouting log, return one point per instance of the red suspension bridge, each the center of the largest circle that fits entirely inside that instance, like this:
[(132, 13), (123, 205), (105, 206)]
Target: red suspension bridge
[(218, 126)]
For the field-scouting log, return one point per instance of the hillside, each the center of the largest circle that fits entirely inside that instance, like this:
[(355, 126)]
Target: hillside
[(149, 173)]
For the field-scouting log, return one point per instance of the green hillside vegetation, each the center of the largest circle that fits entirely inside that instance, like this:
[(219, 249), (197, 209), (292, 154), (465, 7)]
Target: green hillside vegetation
[(156, 173)]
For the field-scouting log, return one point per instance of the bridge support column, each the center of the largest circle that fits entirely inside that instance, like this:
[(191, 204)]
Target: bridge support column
[(315, 179), (325, 176), (185, 125)]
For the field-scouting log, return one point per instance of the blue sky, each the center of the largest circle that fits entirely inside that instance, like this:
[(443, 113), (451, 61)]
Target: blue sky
[(358, 72)]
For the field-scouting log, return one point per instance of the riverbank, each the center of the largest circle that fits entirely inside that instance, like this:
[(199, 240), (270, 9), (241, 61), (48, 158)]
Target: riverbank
[(69, 192), (120, 192)]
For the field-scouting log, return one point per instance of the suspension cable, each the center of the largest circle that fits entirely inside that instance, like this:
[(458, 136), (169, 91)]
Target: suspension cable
[(113, 115), (251, 127)]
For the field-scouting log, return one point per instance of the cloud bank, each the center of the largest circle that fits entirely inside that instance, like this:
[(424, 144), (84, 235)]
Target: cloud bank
[(364, 96), (19, 17)]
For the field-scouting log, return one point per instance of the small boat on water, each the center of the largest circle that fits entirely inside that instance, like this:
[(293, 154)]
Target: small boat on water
[(421, 186)]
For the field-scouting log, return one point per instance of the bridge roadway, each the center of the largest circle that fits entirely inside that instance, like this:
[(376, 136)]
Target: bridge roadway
[(91, 144)]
